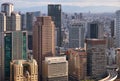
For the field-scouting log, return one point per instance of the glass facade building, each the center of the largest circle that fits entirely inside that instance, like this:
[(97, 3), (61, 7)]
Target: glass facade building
[(15, 47), (55, 12), (8, 53)]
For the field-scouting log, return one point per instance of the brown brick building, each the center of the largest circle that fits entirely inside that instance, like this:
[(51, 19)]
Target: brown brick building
[(77, 61)]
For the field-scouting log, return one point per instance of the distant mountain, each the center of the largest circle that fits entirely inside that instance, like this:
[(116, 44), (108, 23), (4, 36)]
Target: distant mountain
[(72, 9)]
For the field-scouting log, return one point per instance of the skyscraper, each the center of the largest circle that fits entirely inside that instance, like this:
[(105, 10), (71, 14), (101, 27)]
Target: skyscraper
[(15, 43), (7, 8), (24, 70), (96, 57), (77, 34), (95, 30), (117, 29), (30, 18), (43, 40), (54, 10), (2, 22), (10, 39), (1, 56), (9, 20), (55, 69)]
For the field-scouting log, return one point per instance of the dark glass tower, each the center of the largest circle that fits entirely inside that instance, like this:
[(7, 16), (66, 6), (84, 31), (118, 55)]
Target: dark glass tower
[(94, 30), (8, 54), (55, 12)]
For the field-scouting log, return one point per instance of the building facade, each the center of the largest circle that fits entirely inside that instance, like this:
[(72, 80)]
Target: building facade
[(7, 8), (30, 19), (55, 12), (11, 39), (43, 40), (24, 70), (14, 48), (77, 34), (95, 30), (96, 57), (2, 56), (55, 69), (77, 61), (117, 29)]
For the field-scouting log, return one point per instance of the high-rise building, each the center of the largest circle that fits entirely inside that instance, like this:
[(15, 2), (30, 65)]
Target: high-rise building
[(77, 61), (7, 8), (118, 57), (43, 40), (77, 35), (54, 10), (2, 22), (10, 42), (9, 20), (1, 56), (30, 19), (112, 28), (95, 30), (117, 29), (55, 69), (24, 70), (15, 43), (23, 21), (96, 57)]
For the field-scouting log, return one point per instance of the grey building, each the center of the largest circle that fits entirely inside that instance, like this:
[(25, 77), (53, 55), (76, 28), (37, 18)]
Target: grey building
[(77, 34), (96, 57), (95, 30)]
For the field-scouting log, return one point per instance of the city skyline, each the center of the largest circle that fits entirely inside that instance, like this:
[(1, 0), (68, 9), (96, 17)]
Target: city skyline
[(84, 6)]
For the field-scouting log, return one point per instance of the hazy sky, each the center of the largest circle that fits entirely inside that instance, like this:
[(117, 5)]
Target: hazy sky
[(68, 5)]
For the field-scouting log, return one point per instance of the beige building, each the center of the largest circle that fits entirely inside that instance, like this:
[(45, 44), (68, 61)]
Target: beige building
[(55, 69), (43, 40), (77, 61), (24, 70)]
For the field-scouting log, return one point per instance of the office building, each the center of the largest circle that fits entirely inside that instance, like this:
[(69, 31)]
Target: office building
[(1, 56), (54, 10), (14, 22), (9, 20), (77, 34), (14, 48), (118, 57), (23, 22), (55, 69), (43, 40), (30, 19), (24, 70), (2, 22), (112, 28), (77, 61), (7, 8), (95, 30), (96, 58), (11, 43), (117, 29)]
